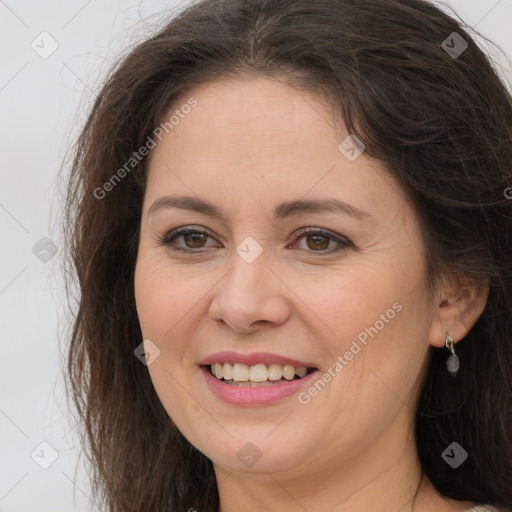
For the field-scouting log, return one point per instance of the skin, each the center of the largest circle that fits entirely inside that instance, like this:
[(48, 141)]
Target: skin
[(247, 146)]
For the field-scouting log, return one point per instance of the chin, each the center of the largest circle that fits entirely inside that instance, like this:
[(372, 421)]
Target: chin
[(250, 452)]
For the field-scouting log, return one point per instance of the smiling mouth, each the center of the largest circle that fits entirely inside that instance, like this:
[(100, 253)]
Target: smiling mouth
[(259, 375)]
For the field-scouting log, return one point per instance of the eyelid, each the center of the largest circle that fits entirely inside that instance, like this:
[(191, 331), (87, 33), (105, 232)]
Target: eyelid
[(342, 241), (175, 233), (322, 231)]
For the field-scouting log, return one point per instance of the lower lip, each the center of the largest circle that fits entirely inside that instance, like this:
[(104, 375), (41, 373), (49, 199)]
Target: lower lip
[(248, 396)]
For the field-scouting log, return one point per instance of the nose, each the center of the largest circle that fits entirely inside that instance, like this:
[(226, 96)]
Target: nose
[(250, 295)]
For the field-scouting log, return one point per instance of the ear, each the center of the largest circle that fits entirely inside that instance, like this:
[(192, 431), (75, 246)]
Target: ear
[(459, 303)]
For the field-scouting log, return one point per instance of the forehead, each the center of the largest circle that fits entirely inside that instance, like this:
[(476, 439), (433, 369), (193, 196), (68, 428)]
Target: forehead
[(247, 116), (258, 138)]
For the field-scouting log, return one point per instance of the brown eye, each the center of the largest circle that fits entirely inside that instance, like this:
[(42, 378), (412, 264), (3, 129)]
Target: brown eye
[(192, 239), (318, 240)]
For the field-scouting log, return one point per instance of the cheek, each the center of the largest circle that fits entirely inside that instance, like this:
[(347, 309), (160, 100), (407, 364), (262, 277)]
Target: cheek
[(170, 306), (348, 302), (162, 306), (372, 320), (162, 295)]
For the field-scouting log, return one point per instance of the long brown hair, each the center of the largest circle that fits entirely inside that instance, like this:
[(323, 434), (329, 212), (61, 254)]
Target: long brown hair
[(442, 124)]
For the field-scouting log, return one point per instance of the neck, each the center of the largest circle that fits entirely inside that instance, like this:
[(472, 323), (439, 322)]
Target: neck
[(381, 477)]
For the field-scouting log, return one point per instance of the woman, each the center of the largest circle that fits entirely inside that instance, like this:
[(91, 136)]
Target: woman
[(292, 235)]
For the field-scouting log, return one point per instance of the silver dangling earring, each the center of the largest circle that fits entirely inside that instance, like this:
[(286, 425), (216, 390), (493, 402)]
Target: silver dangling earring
[(452, 363)]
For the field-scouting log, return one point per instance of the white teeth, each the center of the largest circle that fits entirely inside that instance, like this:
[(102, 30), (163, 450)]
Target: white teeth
[(217, 370), (301, 371), (227, 371), (288, 372), (275, 372), (240, 372), (258, 374)]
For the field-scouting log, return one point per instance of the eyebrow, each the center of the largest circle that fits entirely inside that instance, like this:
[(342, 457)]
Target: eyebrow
[(282, 211)]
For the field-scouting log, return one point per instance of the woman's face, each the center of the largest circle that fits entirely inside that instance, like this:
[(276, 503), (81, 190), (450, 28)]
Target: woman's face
[(347, 299)]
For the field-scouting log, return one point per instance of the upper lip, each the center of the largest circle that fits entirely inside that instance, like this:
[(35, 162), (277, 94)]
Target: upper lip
[(253, 359)]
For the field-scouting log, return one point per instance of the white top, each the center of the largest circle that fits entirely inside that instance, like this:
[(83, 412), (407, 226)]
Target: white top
[(481, 508)]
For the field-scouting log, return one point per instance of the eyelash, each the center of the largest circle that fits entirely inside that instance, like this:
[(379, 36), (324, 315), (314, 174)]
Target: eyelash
[(171, 236)]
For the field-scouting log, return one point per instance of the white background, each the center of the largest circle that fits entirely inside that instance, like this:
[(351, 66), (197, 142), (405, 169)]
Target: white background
[(42, 105)]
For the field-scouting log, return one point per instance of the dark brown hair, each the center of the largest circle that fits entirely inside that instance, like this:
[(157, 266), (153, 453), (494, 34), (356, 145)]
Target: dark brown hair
[(442, 124)]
